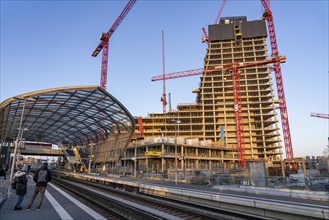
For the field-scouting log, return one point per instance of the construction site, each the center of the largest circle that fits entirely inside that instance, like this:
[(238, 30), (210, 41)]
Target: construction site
[(233, 127), (237, 127)]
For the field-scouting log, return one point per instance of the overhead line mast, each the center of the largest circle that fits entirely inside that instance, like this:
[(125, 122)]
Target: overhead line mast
[(279, 81), (104, 44)]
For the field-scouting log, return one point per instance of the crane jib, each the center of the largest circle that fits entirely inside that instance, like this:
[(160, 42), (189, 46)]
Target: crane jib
[(104, 43)]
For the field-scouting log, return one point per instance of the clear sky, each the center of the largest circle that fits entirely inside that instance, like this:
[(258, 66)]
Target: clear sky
[(48, 44)]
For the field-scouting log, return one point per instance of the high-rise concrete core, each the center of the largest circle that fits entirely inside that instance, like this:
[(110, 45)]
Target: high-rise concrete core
[(210, 122)]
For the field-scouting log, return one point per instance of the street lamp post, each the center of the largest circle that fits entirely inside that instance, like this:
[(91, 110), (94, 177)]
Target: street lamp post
[(184, 159), (135, 161), (18, 139), (19, 144), (176, 121)]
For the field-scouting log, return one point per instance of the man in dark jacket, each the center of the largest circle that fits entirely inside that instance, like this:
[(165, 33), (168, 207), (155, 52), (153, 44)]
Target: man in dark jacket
[(41, 177)]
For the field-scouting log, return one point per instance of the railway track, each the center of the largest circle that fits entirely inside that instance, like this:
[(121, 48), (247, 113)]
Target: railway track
[(126, 204)]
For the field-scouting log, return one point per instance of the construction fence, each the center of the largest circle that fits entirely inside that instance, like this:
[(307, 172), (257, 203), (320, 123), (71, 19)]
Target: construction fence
[(206, 178)]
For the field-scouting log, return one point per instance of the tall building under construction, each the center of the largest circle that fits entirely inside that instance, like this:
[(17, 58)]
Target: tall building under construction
[(207, 130)]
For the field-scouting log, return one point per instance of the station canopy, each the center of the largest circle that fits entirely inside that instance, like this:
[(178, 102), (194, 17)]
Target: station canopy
[(76, 116)]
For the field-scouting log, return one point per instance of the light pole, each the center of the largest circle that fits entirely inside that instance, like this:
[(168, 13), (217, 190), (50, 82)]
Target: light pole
[(18, 139), (91, 155), (19, 144), (176, 121), (135, 161), (185, 178)]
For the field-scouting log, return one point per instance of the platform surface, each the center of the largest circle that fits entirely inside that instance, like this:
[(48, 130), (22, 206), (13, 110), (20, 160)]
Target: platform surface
[(56, 205), (59, 205)]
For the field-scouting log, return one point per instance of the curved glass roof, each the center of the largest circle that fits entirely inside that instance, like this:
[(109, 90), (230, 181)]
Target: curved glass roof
[(77, 115)]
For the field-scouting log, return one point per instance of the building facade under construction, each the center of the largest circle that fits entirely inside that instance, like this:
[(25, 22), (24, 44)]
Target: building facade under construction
[(206, 131)]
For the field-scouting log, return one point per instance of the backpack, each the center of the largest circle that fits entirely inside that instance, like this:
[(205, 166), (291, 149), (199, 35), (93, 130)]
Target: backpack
[(42, 176)]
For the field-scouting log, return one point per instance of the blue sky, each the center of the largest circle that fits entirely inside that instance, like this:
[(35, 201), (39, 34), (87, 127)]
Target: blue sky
[(48, 44)]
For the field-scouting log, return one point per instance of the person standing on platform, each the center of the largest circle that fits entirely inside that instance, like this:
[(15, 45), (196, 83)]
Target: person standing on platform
[(2, 172), (2, 177), (41, 177), (21, 186), (28, 169)]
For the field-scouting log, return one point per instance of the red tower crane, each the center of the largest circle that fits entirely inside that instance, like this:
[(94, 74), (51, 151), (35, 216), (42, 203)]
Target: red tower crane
[(234, 67), (104, 44), (195, 71), (185, 73), (278, 75), (205, 34), (141, 127), (320, 115), (279, 81), (179, 74), (163, 98), (220, 12)]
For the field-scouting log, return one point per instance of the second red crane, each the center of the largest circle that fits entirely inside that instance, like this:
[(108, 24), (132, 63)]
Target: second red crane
[(104, 44)]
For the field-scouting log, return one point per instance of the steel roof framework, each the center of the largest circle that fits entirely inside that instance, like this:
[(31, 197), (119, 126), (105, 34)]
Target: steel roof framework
[(77, 115)]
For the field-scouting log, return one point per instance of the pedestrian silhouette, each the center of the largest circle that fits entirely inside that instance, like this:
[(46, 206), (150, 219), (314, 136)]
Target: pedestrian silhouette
[(41, 177)]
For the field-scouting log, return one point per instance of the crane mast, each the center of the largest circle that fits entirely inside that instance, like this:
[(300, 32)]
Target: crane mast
[(205, 34), (104, 44), (220, 12), (141, 127), (234, 67), (163, 98), (279, 82), (238, 116)]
